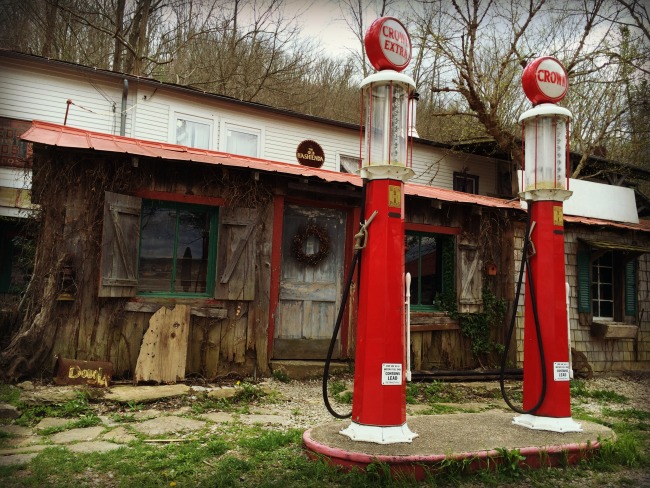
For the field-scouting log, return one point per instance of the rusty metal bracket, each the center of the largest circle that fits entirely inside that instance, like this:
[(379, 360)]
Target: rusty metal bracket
[(361, 237)]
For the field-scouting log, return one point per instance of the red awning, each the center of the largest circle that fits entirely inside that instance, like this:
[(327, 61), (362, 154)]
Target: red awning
[(74, 138)]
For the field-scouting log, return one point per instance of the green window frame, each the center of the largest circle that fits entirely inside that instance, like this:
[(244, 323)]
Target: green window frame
[(429, 257), (178, 248)]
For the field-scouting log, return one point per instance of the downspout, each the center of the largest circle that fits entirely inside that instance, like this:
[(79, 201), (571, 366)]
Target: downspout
[(125, 95)]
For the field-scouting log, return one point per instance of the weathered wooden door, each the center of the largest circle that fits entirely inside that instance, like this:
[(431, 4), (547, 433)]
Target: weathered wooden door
[(310, 282)]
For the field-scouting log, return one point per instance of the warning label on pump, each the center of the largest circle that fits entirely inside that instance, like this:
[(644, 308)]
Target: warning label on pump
[(561, 372), (391, 374)]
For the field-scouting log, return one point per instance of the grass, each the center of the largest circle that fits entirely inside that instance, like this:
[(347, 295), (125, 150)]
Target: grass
[(238, 455)]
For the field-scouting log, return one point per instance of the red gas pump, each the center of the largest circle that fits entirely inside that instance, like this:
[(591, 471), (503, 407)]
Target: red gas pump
[(379, 401), (544, 185)]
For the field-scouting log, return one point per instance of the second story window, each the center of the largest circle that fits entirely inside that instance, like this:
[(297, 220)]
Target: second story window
[(465, 182), (242, 140), (349, 164), (193, 132)]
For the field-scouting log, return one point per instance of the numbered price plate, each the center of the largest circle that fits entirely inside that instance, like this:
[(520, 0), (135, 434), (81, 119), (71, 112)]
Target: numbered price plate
[(391, 374), (561, 372)]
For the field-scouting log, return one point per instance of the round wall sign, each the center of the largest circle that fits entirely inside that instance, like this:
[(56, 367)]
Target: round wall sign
[(388, 44), (545, 80), (309, 153)]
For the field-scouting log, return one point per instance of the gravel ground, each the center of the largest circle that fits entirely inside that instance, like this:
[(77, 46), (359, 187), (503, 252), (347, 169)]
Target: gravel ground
[(304, 400)]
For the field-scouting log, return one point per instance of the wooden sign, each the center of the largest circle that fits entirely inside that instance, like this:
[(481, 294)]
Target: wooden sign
[(78, 372), (309, 153)]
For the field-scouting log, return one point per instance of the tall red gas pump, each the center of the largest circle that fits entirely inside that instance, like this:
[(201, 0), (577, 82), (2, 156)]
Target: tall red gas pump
[(379, 401), (544, 186)]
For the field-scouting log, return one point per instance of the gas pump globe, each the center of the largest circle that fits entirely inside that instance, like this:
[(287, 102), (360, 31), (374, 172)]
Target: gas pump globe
[(545, 148), (386, 103)]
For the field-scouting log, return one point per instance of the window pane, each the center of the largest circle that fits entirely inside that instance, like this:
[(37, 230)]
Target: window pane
[(156, 249), (606, 292), (411, 258), (428, 271), (193, 134), (243, 143), (350, 164), (606, 309), (192, 251)]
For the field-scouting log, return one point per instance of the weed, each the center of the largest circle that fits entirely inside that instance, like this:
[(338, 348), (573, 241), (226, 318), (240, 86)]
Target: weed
[(269, 440), (510, 462), (75, 408), (440, 392), (123, 418), (579, 390), (412, 393), (89, 420), (248, 392), (336, 387), (281, 376), (9, 394)]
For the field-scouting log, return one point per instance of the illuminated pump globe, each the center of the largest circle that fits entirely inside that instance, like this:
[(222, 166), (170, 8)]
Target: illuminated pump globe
[(546, 134), (386, 106)]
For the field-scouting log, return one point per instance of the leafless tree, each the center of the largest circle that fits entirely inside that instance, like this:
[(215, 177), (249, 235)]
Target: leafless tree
[(472, 53)]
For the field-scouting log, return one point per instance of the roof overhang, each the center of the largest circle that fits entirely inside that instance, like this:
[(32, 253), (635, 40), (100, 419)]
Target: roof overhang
[(616, 246), (74, 138)]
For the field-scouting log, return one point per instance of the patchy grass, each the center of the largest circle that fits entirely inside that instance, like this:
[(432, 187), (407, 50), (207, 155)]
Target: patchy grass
[(239, 455), (579, 391)]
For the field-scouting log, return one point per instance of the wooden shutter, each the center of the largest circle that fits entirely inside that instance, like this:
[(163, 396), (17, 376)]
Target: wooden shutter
[(471, 279), (584, 281), (236, 254), (120, 245), (630, 288)]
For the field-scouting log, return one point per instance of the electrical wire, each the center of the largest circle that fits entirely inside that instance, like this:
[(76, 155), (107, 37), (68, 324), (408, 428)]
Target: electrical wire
[(525, 265)]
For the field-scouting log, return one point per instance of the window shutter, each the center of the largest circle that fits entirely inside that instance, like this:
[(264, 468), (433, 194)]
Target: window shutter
[(236, 255), (584, 281), (471, 279), (120, 245), (630, 287)]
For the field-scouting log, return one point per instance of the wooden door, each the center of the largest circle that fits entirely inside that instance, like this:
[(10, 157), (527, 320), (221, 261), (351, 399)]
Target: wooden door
[(310, 293)]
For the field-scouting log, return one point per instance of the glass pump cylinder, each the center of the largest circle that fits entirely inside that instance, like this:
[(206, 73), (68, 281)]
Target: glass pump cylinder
[(386, 103), (545, 136)]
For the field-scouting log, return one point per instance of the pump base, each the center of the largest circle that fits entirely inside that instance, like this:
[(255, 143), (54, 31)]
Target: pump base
[(379, 435), (553, 424)]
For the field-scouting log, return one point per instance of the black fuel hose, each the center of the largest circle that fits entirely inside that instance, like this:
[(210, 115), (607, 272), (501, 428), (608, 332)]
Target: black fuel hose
[(356, 262), (533, 299)]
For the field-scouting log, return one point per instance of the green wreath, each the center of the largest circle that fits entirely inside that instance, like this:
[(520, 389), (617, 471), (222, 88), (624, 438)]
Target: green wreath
[(298, 245)]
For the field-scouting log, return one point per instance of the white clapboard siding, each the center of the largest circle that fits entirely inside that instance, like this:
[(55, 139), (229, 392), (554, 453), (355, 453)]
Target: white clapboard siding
[(15, 178), (34, 89), (40, 94)]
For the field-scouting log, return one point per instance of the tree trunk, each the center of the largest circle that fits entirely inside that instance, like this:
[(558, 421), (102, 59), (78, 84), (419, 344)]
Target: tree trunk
[(30, 347)]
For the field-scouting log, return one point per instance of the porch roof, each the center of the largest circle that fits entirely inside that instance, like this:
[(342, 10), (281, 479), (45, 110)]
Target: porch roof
[(74, 138)]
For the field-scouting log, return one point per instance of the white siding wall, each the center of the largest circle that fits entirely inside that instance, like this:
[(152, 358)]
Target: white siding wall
[(41, 94), (38, 91)]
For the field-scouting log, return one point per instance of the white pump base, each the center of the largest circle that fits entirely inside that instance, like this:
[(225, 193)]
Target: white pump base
[(553, 424), (379, 435)]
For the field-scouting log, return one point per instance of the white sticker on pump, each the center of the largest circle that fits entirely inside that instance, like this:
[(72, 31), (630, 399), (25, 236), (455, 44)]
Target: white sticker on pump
[(561, 372), (391, 374)]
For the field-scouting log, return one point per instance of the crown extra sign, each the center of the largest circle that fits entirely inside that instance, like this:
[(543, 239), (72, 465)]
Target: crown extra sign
[(309, 153), (545, 80), (388, 44)]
